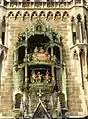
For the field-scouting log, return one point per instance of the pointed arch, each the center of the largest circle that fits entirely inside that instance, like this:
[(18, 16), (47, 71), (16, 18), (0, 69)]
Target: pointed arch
[(34, 14), (10, 14), (57, 14), (65, 15), (18, 97), (26, 14), (42, 14), (49, 14), (18, 14), (41, 111)]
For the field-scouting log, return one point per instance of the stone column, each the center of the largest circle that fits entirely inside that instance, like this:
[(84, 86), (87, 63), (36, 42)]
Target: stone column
[(0, 68), (77, 31), (59, 77), (81, 68), (80, 32), (86, 79), (59, 114), (82, 2), (2, 2), (26, 78), (73, 2), (26, 75), (54, 97), (7, 34), (51, 101), (77, 66), (61, 55), (15, 56), (64, 84), (52, 63), (85, 36), (85, 30), (85, 63), (30, 104), (70, 33)]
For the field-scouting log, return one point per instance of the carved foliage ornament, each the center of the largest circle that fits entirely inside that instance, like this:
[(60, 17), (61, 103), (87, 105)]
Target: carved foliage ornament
[(38, 28)]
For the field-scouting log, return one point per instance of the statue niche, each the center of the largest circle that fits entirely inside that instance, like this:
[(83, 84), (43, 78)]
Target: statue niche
[(39, 54)]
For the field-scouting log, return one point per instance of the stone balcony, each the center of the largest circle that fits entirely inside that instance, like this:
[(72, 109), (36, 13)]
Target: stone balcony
[(43, 86), (39, 59), (31, 62)]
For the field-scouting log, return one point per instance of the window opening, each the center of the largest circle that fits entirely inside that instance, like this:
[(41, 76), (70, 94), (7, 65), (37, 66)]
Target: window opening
[(21, 54), (3, 38), (18, 100), (74, 38)]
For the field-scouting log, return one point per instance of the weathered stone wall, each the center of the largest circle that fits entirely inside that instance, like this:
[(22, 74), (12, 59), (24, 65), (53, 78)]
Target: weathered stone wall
[(17, 22)]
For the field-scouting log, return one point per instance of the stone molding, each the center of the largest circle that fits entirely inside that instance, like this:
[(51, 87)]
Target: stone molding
[(6, 117)]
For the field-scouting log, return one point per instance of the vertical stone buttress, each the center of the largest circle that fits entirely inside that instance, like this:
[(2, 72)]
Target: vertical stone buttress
[(6, 78), (1, 62), (85, 66), (75, 92)]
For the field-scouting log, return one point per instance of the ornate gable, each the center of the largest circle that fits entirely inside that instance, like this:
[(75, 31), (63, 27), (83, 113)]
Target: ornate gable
[(41, 112)]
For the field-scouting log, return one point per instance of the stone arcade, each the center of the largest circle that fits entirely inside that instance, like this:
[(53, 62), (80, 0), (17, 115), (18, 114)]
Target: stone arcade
[(43, 59)]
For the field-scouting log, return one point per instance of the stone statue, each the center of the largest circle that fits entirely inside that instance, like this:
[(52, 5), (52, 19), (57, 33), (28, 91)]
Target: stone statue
[(39, 76), (40, 55), (48, 56), (41, 50), (36, 50), (33, 76), (34, 55), (47, 77)]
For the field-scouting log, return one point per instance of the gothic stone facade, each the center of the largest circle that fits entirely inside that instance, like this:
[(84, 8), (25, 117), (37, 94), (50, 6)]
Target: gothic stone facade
[(43, 59)]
